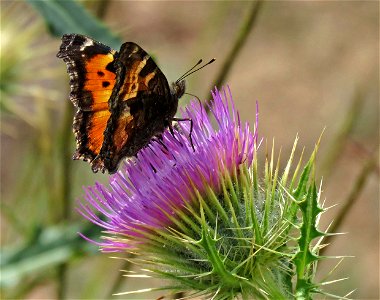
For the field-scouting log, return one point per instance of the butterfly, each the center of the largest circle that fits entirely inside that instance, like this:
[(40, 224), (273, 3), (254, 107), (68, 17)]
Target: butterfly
[(122, 98)]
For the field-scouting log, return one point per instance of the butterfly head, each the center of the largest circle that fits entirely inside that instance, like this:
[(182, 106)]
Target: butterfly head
[(178, 88)]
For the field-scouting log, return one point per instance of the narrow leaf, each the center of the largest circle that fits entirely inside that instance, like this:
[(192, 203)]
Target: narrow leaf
[(71, 17)]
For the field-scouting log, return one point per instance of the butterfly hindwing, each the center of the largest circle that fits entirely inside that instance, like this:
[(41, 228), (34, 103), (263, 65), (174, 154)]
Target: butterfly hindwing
[(142, 93)]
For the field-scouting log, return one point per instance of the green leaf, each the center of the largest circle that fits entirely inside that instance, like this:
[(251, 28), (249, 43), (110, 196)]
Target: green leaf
[(69, 16), (310, 210), (47, 248)]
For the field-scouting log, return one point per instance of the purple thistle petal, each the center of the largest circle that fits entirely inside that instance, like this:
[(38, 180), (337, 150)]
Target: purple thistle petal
[(146, 191)]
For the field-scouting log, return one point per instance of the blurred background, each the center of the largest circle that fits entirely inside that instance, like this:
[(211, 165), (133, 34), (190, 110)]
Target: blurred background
[(311, 65)]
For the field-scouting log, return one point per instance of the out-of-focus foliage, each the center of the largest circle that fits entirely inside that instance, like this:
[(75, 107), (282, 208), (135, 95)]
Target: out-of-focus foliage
[(70, 17)]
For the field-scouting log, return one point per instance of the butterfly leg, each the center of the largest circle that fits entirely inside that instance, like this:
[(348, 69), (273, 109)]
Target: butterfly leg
[(153, 168), (159, 139), (191, 129), (171, 130)]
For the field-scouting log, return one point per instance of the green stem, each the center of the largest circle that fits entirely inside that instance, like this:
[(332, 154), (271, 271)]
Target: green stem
[(101, 8), (246, 28), (341, 137), (65, 153), (65, 189), (119, 280), (369, 166)]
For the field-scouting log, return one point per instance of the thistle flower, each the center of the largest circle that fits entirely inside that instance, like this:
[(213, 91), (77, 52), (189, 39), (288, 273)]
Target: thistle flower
[(201, 217), (150, 190)]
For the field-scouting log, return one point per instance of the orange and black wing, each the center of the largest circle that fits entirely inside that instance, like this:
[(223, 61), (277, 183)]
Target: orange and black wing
[(122, 100), (141, 106), (92, 79)]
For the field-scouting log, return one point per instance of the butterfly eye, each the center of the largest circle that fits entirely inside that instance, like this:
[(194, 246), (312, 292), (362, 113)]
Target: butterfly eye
[(179, 88)]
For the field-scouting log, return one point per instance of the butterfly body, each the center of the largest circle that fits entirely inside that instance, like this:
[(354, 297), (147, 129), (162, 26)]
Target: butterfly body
[(122, 98)]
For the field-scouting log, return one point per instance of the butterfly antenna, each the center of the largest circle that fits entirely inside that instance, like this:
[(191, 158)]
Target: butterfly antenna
[(184, 75), (191, 72)]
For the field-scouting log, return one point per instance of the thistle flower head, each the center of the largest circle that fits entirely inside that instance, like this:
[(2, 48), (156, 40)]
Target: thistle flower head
[(201, 216), (148, 191)]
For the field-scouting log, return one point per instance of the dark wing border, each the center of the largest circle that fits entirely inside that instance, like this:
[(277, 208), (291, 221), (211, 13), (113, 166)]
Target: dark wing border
[(75, 50)]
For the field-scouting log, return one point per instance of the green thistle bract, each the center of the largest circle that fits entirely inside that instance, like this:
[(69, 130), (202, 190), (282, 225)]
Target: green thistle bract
[(204, 219)]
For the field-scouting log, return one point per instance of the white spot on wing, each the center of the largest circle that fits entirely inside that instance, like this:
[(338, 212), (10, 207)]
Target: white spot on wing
[(134, 50), (87, 43)]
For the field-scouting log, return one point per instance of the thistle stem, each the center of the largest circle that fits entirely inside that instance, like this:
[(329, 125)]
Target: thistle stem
[(246, 28), (369, 166)]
